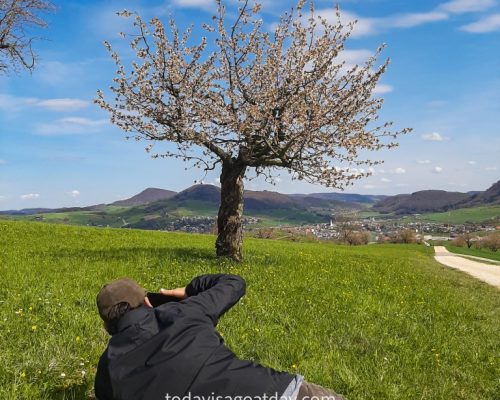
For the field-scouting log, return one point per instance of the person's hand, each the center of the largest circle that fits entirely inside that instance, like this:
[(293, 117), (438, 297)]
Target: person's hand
[(180, 292)]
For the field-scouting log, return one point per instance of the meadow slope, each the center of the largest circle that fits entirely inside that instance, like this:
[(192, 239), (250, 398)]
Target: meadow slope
[(372, 322), (484, 253)]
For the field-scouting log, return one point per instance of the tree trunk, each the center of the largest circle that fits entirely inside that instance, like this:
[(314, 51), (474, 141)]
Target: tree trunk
[(229, 227)]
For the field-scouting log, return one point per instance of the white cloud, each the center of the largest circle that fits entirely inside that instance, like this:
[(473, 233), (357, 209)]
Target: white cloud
[(369, 186), (353, 57), (369, 26), (385, 180), (433, 137), (2, 198), (363, 26), (484, 25), (437, 170), (65, 104), (366, 26), (381, 171), (424, 161), (382, 88), (415, 19), (106, 24), (402, 185), (400, 171), (3, 162), (465, 6), (30, 196), (12, 103), (69, 126), (491, 169), (471, 162), (56, 73), (74, 193)]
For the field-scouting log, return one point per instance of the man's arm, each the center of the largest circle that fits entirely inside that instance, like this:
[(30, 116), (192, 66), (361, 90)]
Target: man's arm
[(215, 294)]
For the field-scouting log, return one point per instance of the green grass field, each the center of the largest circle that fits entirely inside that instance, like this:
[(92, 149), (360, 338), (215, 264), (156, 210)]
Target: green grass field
[(369, 214), (463, 215), (371, 322), (485, 253)]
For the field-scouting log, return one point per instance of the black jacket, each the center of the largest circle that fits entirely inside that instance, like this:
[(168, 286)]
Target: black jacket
[(175, 349)]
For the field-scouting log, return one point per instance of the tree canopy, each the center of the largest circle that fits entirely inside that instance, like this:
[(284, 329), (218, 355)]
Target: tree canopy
[(255, 99)]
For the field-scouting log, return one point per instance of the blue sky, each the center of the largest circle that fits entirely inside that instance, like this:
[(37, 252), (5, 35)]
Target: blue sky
[(58, 149)]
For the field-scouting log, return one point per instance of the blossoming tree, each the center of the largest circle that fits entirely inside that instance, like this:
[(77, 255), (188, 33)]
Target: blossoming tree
[(258, 100)]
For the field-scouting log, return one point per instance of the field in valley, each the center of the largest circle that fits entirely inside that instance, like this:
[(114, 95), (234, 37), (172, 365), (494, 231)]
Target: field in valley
[(371, 322)]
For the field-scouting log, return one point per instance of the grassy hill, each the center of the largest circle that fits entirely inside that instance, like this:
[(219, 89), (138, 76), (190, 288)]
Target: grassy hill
[(148, 195), (426, 201), (463, 215), (421, 202), (483, 253), (479, 214), (372, 322)]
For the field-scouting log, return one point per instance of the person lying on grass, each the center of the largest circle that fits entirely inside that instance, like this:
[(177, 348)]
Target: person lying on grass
[(174, 352)]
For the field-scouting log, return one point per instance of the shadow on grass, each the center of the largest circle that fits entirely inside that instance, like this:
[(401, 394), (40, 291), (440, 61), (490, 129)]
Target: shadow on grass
[(189, 254)]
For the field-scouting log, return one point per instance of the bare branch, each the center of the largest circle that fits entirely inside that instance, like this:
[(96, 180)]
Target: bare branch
[(16, 16)]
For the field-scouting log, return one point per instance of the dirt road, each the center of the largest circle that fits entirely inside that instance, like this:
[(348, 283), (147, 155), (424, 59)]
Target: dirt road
[(485, 272)]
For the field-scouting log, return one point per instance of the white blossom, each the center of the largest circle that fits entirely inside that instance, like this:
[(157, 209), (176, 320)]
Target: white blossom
[(268, 100)]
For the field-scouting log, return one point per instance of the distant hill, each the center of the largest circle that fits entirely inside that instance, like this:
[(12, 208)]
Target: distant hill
[(194, 197), (488, 197), (26, 211), (346, 197), (437, 200), (421, 202), (255, 202), (207, 193), (267, 200), (147, 196)]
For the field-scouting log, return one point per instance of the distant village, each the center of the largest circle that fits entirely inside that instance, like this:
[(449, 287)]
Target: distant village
[(201, 224), (379, 230), (385, 230)]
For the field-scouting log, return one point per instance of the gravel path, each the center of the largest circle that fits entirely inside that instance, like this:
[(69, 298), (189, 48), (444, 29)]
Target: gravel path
[(486, 272)]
